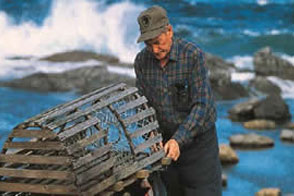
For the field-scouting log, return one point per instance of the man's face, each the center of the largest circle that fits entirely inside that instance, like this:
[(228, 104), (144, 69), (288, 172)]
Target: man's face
[(160, 45)]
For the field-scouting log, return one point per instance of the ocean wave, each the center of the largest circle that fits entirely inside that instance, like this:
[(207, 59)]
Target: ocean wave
[(286, 86), (11, 69), (288, 58), (80, 24), (242, 62)]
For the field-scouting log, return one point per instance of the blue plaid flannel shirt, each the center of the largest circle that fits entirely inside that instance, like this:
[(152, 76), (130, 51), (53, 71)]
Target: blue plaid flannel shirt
[(180, 92)]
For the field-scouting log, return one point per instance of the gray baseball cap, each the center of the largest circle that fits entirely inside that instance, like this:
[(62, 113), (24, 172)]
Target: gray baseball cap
[(152, 22)]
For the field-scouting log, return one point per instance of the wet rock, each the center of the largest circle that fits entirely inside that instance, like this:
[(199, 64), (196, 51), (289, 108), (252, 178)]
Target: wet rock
[(273, 107), (244, 111), (78, 56), (219, 72), (259, 124), (287, 135), (224, 180), (214, 62), (267, 64), (269, 192), (227, 155), (290, 125), (82, 80), (251, 140), (264, 85)]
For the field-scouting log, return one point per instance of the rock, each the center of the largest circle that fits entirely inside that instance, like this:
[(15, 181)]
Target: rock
[(273, 107), (259, 124), (251, 140), (264, 85), (214, 62), (229, 91), (287, 135), (227, 155), (224, 180), (78, 56), (83, 80), (244, 111), (290, 125), (267, 64), (219, 72), (269, 192)]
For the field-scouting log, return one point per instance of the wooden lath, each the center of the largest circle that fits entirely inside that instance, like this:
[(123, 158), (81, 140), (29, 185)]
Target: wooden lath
[(66, 150)]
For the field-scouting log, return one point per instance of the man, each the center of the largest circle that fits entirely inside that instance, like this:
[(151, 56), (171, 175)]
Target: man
[(171, 73)]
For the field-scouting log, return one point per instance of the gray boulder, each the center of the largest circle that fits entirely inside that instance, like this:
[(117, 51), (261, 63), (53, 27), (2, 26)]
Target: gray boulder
[(251, 140), (267, 64), (262, 84), (79, 56), (273, 107), (244, 111), (287, 135), (220, 79), (82, 80)]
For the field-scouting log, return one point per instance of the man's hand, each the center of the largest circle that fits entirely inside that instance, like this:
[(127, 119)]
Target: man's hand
[(172, 149)]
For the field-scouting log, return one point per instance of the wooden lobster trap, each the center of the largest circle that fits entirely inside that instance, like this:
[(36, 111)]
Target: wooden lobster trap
[(86, 147)]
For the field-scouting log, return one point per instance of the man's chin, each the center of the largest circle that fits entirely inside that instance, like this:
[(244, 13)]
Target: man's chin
[(159, 57)]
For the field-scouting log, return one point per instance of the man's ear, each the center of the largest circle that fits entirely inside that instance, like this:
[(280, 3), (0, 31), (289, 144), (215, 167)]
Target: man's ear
[(170, 31)]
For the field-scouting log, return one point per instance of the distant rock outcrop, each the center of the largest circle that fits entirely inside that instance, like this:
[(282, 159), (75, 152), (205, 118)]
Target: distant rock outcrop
[(267, 64), (220, 79), (273, 107), (78, 56), (82, 80), (264, 85), (251, 140)]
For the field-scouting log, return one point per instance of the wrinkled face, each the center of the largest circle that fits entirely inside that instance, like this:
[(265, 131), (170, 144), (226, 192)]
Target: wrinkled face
[(160, 45)]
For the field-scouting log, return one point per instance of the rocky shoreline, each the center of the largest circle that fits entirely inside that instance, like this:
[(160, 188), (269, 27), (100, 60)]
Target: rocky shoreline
[(265, 110), (86, 79)]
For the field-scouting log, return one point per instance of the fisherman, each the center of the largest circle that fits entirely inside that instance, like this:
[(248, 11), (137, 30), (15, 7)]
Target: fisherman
[(171, 73)]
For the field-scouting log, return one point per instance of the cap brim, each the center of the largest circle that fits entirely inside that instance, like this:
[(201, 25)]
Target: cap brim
[(150, 35)]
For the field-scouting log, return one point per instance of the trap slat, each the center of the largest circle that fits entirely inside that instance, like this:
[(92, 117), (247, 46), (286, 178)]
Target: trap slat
[(37, 188), (23, 133), (35, 145), (35, 159), (79, 102), (146, 129), (95, 107), (86, 141), (125, 172), (78, 128), (95, 171), (151, 141), (139, 116), (92, 156), (139, 101), (82, 147), (28, 173)]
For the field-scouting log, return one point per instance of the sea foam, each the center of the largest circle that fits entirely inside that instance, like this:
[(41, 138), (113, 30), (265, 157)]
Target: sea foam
[(79, 24)]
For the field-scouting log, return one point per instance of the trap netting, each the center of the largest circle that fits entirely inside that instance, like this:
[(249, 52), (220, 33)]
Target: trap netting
[(83, 147)]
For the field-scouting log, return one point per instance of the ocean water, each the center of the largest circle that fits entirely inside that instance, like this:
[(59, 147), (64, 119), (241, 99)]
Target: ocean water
[(272, 167), (233, 30)]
